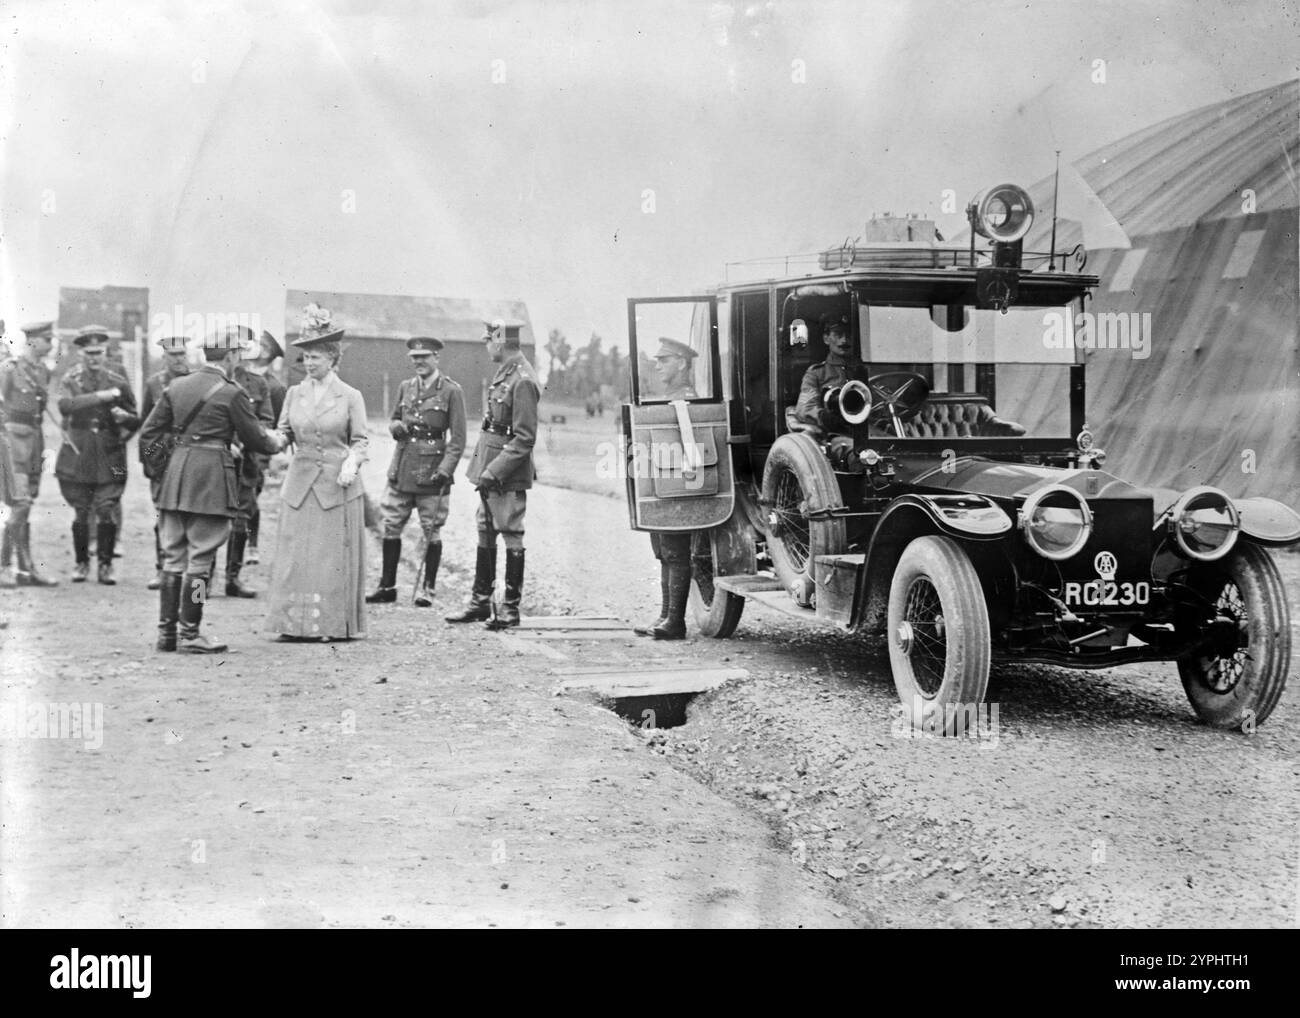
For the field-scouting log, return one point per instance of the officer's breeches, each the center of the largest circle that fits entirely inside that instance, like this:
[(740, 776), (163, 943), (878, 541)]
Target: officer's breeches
[(396, 508), (103, 501), (190, 541), (507, 518)]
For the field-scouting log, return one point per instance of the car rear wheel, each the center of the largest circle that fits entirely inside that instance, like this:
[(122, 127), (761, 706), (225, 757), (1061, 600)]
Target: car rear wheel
[(798, 487), (938, 630), (1239, 684), (716, 612)]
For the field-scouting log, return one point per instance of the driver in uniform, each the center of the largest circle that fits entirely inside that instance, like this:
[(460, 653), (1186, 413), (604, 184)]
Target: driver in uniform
[(836, 369)]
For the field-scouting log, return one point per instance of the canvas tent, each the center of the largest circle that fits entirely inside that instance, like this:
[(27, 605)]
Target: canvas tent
[(1208, 201)]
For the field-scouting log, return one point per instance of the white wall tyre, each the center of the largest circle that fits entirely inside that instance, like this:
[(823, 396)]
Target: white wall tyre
[(1239, 688), (938, 630), (798, 480)]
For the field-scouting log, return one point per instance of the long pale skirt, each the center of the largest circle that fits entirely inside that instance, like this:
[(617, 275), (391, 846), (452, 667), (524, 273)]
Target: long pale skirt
[(319, 573)]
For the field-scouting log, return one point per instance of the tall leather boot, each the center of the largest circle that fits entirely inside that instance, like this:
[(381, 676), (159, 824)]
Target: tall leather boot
[(254, 525), (679, 590), (194, 591), (234, 563), (432, 559), (387, 592), (508, 614), (648, 628), (81, 551), (28, 575), (479, 608), (106, 541), (7, 579), (169, 608), (156, 582)]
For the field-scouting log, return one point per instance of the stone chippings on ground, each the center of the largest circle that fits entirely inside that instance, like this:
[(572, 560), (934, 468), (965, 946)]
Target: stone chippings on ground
[(430, 775)]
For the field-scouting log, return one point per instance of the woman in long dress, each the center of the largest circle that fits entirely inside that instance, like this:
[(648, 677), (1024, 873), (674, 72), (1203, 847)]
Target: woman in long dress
[(318, 576)]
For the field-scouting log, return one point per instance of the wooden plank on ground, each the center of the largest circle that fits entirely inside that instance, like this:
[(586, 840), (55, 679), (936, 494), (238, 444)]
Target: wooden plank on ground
[(572, 622), (647, 680)]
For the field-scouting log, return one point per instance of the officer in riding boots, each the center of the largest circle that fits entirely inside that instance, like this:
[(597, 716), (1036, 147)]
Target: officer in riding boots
[(429, 425)]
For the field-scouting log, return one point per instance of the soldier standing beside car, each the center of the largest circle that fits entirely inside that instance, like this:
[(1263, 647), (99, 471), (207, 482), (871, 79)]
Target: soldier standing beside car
[(99, 415), (675, 364), (176, 364), (501, 471), (429, 425), (24, 392)]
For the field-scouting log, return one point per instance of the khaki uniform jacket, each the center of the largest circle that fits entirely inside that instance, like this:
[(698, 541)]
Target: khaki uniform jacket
[(200, 475), (154, 386), (815, 379), (100, 442), (511, 408), (440, 410), (324, 435), (24, 392)]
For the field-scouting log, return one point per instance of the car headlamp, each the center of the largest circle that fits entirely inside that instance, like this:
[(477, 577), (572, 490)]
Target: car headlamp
[(1204, 524), (1056, 522)]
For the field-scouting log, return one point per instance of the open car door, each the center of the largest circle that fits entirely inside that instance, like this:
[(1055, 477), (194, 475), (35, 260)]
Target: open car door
[(675, 431)]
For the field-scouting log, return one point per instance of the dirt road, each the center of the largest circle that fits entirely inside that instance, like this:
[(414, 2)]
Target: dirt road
[(429, 775)]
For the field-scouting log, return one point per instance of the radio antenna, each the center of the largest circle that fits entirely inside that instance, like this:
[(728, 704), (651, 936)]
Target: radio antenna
[(1056, 187)]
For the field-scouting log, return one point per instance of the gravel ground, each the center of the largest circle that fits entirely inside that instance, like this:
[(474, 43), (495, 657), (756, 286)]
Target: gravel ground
[(430, 775)]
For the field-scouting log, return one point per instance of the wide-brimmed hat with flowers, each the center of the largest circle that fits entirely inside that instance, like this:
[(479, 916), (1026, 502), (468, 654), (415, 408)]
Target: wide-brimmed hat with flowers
[(317, 328)]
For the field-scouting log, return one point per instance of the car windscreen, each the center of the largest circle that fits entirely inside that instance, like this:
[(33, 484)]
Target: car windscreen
[(990, 374)]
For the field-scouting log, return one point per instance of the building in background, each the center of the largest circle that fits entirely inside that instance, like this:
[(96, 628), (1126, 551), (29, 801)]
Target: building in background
[(377, 327), (122, 310)]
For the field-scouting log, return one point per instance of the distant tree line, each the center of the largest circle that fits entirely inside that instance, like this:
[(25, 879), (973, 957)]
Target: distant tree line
[(590, 373)]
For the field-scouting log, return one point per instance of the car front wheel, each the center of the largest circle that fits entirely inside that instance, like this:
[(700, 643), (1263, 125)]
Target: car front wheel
[(1237, 684), (938, 631)]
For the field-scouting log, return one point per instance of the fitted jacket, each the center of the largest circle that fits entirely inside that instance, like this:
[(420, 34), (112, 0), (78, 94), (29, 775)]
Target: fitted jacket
[(94, 445), (504, 452), (435, 423), (200, 475), (24, 391), (324, 434)]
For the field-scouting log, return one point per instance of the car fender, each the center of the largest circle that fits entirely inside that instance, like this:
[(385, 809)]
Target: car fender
[(1268, 521), (968, 517)]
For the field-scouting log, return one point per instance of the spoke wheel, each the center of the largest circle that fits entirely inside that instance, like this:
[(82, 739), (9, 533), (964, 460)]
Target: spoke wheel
[(1239, 686), (938, 634), (798, 489)]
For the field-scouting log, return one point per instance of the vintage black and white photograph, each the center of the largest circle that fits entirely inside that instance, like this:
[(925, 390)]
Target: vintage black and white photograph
[(801, 464)]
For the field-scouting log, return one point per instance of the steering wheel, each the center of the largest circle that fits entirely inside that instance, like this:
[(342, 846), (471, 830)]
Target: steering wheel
[(896, 396)]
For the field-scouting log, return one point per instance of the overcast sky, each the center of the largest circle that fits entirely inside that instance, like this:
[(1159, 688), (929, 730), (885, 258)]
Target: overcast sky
[(220, 154)]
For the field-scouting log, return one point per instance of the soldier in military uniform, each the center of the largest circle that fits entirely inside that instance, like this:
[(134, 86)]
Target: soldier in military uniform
[(836, 369), (99, 415), (269, 352), (675, 365), (8, 482), (501, 471), (24, 391), (429, 425), (251, 464), (199, 496), (175, 365)]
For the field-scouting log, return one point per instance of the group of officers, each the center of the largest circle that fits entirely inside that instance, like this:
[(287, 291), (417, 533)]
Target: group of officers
[(99, 415)]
